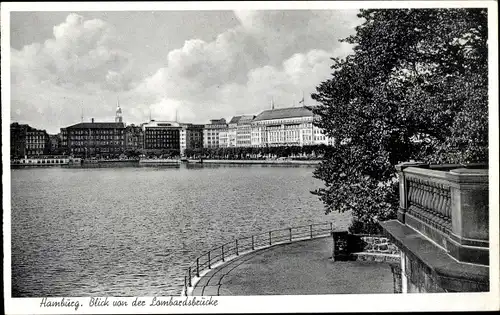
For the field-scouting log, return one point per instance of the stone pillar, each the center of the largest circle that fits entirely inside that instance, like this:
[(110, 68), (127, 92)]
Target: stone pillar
[(404, 279), (469, 237), (403, 189)]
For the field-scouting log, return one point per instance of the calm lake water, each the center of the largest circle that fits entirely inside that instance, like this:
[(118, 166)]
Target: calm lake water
[(132, 231)]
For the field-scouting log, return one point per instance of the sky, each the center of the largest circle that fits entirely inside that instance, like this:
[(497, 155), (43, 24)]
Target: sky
[(201, 64)]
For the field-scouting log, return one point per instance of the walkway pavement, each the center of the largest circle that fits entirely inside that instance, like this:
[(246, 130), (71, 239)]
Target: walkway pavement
[(299, 268)]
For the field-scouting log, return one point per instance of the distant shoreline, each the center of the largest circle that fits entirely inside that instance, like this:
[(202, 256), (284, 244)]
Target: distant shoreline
[(97, 163), (284, 162)]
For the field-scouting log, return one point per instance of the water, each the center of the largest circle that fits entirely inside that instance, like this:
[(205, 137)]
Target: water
[(132, 231)]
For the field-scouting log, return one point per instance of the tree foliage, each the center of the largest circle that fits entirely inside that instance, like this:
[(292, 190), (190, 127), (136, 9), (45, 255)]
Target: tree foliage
[(242, 153), (415, 88)]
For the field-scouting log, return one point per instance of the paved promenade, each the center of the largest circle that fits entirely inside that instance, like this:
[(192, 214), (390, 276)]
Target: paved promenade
[(298, 268)]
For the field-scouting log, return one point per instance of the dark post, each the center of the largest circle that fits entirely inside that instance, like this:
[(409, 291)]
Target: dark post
[(290, 230), (253, 244), (237, 254), (333, 247), (198, 267), (223, 253), (331, 227), (270, 242), (185, 283), (311, 230), (209, 266), (189, 273)]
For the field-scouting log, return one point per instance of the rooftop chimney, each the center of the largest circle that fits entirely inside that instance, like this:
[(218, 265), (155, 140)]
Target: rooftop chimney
[(92, 120)]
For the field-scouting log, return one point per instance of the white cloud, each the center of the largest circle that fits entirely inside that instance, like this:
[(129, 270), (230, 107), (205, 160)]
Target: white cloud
[(272, 54), (79, 53)]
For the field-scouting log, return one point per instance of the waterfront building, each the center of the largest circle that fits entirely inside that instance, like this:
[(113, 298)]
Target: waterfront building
[(161, 135), (134, 138), (231, 135), (244, 130), (54, 142), (212, 131), (224, 138), (292, 126), (28, 141), (191, 137), (95, 139), (37, 142), (63, 144), (18, 140)]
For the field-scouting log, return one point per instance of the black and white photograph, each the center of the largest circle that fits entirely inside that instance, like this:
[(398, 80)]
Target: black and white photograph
[(201, 157)]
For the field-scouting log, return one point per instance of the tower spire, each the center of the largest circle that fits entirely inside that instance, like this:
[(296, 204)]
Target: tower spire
[(302, 100), (118, 117)]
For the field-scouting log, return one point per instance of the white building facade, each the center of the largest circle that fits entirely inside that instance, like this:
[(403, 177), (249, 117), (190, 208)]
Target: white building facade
[(291, 126), (228, 139), (212, 132), (244, 131), (191, 137)]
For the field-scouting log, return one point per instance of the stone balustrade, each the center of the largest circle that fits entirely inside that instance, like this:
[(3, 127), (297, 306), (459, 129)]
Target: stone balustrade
[(449, 205)]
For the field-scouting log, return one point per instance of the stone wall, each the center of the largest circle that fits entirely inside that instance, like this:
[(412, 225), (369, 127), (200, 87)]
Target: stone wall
[(363, 247), (378, 244)]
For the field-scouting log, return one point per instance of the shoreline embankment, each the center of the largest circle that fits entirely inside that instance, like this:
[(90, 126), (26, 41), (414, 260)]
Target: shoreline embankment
[(281, 162), (152, 162)]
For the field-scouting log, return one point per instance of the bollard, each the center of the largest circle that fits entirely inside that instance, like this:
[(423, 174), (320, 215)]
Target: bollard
[(290, 230), (189, 274), (209, 265), (237, 254), (334, 252), (198, 267), (253, 244), (311, 229), (223, 253), (270, 242)]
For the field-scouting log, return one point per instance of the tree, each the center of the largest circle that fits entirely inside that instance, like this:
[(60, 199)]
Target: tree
[(415, 88)]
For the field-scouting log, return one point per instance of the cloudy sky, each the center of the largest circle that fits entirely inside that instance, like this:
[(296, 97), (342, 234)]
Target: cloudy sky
[(204, 64)]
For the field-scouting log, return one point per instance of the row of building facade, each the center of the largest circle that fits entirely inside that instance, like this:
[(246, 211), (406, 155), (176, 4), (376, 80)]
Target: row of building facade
[(276, 127)]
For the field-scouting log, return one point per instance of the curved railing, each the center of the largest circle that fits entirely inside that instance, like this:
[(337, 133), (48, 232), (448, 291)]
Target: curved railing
[(232, 249)]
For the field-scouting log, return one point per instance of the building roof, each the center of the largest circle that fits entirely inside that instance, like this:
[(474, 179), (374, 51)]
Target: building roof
[(246, 119), (281, 113), (97, 125), (219, 121), (235, 120), (162, 124)]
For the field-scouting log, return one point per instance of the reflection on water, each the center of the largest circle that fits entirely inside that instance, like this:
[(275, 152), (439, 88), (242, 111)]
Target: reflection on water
[(133, 231)]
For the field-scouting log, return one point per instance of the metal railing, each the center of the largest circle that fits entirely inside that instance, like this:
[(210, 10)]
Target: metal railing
[(236, 247)]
